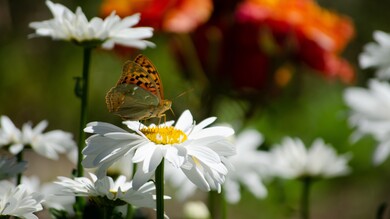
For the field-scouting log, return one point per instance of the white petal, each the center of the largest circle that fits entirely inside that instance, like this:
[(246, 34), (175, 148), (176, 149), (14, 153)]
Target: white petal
[(185, 121), (381, 152), (102, 128)]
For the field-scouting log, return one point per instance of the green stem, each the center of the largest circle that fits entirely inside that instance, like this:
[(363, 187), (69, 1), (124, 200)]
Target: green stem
[(223, 205), (82, 92), (130, 211), (84, 107), (306, 183), (192, 58), (212, 204), (160, 190), (19, 158)]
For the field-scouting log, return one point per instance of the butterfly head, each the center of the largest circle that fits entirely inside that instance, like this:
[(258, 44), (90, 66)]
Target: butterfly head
[(166, 105)]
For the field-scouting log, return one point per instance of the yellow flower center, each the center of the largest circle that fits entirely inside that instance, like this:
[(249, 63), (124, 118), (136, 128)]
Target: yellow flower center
[(164, 135)]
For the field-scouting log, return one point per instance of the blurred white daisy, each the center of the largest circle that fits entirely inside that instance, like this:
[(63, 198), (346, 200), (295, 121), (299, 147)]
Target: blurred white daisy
[(200, 152), (292, 160), (48, 144), (10, 135), (370, 115), (196, 210), (250, 167), (18, 202), (247, 168), (48, 190), (106, 191), (70, 26), (377, 55), (9, 167), (184, 188)]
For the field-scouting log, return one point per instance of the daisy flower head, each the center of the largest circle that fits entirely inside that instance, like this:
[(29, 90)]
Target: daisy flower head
[(293, 160), (48, 144), (199, 151), (370, 109), (106, 191), (10, 135), (69, 26), (18, 202), (377, 55), (48, 190)]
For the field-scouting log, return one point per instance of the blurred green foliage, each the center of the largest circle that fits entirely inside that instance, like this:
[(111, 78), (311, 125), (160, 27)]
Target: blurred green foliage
[(37, 82)]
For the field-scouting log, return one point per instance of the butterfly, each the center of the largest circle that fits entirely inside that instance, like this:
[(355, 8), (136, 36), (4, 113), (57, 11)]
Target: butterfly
[(138, 94)]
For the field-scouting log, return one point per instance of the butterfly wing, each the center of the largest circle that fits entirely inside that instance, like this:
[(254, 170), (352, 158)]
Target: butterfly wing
[(131, 101), (133, 73), (148, 66)]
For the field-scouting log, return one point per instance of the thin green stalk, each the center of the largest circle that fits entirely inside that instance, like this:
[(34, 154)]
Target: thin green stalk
[(223, 205), (82, 92), (160, 190), (84, 107), (305, 204), (192, 58), (212, 204), (130, 211), (19, 158)]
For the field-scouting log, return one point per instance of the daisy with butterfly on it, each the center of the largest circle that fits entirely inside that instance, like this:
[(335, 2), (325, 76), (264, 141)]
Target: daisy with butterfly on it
[(199, 151), (138, 95)]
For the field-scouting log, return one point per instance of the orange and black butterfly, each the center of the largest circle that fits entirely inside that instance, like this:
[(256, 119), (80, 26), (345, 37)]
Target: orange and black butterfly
[(138, 94)]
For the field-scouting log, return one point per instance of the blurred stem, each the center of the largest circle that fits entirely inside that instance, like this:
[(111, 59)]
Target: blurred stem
[(306, 183), (130, 212), (19, 158), (223, 205), (84, 107), (191, 58), (213, 204), (83, 94), (380, 214), (160, 190)]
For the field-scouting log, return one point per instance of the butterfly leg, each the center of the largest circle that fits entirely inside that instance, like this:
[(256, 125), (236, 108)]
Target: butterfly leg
[(162, 116)]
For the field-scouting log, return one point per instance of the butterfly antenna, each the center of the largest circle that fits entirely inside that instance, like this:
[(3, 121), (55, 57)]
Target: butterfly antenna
[(172, 112), (184, 92)]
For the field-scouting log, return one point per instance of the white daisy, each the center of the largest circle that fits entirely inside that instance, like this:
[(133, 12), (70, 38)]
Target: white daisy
[(9, 167), (370, 115), (199, 151), (70, 26), (291, 160), (18, 202), (377, 54), (106, 191), (10, 135), (48, 144), (184, 188), (47, 190), (250, 166)]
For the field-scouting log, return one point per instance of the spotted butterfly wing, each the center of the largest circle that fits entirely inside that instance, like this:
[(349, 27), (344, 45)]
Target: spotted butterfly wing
[(148, 66), (138, 92)]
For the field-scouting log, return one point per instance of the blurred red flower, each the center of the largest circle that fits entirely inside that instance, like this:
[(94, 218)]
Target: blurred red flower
[(179, 16), (314, 36)]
